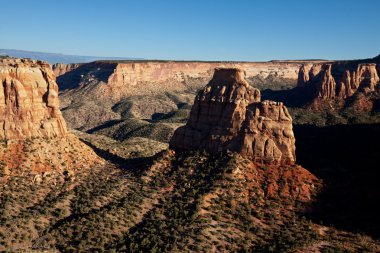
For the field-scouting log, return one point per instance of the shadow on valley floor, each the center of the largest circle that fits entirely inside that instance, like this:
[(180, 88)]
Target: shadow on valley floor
[(72, 79), (137, 166), (296, 97), (346, 157), (105, 125)]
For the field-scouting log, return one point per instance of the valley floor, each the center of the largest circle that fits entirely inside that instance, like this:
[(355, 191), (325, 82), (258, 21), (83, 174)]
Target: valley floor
[(168, 203)]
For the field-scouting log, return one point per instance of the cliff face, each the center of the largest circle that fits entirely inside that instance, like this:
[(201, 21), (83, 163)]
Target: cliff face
[(90, 93), (303, 75), (185, 73), (115, 80), (340, 79), (32, 130), (326, 84), (228, 115), (61, 68), (29, 105)]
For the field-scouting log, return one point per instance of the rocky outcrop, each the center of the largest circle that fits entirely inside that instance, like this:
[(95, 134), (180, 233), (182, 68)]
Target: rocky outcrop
[(339, 79), (61, 68), (32, 130), (228, 115), (29, 105), (365, 77), (303, 75), (326, 83)]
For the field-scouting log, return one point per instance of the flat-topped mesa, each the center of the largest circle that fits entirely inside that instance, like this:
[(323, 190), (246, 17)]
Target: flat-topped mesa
[(115, 80), (339, 79), (228, 115), (29, 105)]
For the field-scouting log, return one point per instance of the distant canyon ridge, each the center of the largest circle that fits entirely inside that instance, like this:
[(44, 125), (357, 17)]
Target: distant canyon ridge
[(273, 74), (94, 93), (97, 93)]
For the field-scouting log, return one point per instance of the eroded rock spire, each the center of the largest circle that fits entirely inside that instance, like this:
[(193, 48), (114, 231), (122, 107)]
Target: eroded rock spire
[(228, 114)]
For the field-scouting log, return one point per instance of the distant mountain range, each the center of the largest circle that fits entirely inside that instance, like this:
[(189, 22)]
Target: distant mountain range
[(58, 58)]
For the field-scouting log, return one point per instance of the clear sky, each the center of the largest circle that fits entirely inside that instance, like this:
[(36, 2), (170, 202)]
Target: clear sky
[(251, 30)]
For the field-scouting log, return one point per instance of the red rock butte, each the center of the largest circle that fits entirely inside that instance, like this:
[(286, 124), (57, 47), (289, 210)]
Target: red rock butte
[(29, 105), (228, 114)]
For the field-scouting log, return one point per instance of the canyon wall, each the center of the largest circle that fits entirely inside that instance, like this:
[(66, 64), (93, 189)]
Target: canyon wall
[(33, 133), (228, 114), (61, 68), (29, 105), (115, 80), (339, 79), (90, 92)]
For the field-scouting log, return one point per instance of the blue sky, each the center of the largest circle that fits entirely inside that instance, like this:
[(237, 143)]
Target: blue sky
[(194, 29)]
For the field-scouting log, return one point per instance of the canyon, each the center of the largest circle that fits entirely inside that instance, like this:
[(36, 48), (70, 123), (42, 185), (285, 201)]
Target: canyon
[(190, 126), (92, 94), (171, 160), (176, 75)]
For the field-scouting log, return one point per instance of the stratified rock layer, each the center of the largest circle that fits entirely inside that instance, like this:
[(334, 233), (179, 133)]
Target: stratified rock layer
[(339, 79), (61, 68), (29, 105), (228, 115), (32, 130), (89, 93)]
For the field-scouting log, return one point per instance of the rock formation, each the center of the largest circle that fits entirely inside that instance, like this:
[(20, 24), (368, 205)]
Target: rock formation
[(339, 79), (29, 105), (228, 115), (326, 84), (365, 77), (32, 130), (303, 75), (61, 68)]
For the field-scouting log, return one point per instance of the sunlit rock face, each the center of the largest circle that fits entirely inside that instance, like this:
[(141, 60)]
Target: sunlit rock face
[(228, 114), (29, 105), (339, 80)]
